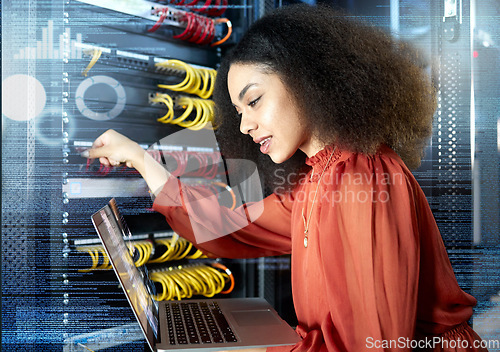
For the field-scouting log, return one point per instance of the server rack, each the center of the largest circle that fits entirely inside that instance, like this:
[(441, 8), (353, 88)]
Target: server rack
[(49, 191)]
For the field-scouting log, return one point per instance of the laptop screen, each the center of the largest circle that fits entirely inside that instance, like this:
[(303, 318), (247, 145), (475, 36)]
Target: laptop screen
[(106, 222)]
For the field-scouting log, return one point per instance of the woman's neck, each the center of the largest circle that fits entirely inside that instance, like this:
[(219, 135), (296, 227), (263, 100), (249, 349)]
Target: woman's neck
[(312, 147)]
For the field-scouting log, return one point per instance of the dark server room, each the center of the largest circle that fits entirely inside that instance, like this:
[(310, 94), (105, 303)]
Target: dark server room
[(74, 69)]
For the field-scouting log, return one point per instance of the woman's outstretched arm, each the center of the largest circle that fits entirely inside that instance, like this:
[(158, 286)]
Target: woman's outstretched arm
[(113, 148)]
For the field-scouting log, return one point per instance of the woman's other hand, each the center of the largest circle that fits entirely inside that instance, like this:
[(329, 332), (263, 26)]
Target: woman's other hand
[(113, 148)]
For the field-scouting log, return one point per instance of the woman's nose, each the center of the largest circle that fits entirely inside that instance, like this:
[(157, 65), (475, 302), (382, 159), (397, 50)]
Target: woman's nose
[(247, 124)]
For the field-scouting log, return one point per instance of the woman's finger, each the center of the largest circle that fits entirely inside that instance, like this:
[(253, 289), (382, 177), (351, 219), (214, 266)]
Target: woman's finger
[(105, 151), (104, 161)]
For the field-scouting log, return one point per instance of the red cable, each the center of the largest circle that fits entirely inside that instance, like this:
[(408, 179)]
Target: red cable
[(215, 165), (203, 39), (221, 10), (181, 159), (162, 18), (187, 19), (205, 164), (211, 28), (205, 7), (205, 31), (199, 29), (213, 8), (192, 3)]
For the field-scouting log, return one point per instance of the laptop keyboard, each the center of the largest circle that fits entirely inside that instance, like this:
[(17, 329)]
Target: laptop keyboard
[(197, 323)]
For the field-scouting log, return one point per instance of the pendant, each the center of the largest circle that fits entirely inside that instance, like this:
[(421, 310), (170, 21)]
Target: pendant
[(305, 242)]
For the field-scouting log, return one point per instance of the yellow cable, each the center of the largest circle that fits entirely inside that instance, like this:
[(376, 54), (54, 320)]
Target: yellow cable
[(105, 264), (82, 345), (196, 255), (166, 255), (159, 296), (145, 249), (176, 64), (212, 289), (187, 248), (196, 285), (198, 81), (189, 108), (198, 116), (166, 283), (213, 74), (94, 255), (95, 56), (207, 114), (185, 290), (167, 100), (179, 248), (184, 282), (202, 121), (141, 254), (215, 276), (204, 90), (203, 284)]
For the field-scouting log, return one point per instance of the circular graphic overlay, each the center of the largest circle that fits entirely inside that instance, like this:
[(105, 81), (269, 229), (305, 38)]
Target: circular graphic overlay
[(121, 98), (23, 97)]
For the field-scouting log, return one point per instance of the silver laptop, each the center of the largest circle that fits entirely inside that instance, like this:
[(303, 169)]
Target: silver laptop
[(188, 325)]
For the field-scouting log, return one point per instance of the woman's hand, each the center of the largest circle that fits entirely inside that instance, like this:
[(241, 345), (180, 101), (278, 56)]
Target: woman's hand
[(113, 148)]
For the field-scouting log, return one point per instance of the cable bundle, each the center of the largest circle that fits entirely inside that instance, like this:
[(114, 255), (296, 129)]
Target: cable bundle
[(176, 249), (143, 250), (204, 111), (208, 163), (186, 281), (207, 168), (215, 9), (198, 81), (94, 251), (199, 29)]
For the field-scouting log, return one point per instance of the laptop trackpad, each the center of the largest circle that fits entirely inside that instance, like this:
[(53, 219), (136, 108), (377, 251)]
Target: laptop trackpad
[(255, 317)]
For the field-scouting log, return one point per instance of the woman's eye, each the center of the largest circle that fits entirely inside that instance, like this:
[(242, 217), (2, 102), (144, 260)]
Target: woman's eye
[(253, 102)]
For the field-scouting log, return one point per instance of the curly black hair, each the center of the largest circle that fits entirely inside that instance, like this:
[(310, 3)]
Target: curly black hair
[(355, 85)]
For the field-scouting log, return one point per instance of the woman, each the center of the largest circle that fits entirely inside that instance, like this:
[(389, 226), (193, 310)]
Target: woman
[(344, 109)]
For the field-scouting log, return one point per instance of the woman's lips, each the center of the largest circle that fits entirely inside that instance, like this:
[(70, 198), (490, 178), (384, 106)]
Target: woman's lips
[(265, 144)]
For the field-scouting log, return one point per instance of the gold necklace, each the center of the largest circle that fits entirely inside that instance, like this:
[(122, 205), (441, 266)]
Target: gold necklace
[(307, 223)]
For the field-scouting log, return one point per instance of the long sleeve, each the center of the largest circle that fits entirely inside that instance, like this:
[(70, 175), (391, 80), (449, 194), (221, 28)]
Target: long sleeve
[(375, 275), (251, 230), (362, 264), (377, 244)]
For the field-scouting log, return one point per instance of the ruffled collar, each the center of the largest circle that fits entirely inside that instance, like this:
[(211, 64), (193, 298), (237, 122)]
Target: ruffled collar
[(319, 161)]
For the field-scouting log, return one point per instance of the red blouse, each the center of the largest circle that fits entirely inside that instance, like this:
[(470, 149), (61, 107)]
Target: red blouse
[(375, 275)]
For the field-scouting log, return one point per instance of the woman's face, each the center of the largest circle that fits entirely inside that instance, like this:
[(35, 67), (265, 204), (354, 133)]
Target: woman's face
[(268, 113)]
